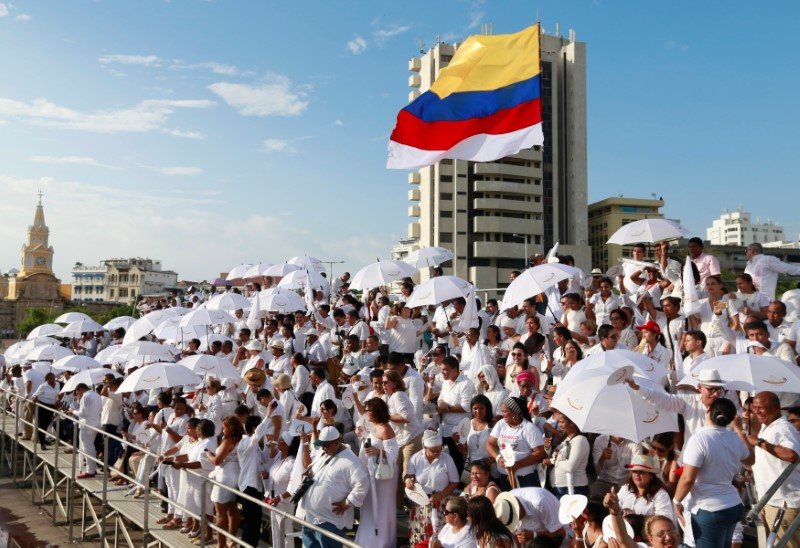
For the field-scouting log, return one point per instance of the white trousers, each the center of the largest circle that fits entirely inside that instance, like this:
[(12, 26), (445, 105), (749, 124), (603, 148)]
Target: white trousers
[(86, 445)]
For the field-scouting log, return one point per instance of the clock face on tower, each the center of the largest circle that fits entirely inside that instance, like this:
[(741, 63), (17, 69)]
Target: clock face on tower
[(41, 261)]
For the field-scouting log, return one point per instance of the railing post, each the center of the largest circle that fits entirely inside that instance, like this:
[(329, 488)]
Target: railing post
[(33, 464), (4, 411), (56, 445), (15, 448), (787, 536), (71, 491), (145, 462), (203, 524), (104, 507)]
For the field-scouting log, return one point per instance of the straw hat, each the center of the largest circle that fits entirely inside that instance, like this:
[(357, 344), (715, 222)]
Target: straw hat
[(506, 508), (255, 376)]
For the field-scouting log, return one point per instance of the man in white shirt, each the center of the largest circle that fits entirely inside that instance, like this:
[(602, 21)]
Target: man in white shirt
[(32, 379), (454, 405), (315, 353), (609, 340), (612, 455), (415, 386), (340, 484), (779, 328), (530, 512), (776, 446), (88, 412), (764, 269), (695, 344), (111, 415), (46, 395), (280, 363), (707, 265)]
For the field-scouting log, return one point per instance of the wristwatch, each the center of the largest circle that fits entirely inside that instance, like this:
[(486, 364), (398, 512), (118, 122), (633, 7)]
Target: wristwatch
[(760, 441)]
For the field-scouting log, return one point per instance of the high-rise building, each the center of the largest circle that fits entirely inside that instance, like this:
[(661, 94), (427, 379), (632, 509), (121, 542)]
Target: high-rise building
[(494, 215), (735, 228), (609, 215)]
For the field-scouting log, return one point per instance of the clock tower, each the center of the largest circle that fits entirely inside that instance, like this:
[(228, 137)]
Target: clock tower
[(36, 280), (37, 255)]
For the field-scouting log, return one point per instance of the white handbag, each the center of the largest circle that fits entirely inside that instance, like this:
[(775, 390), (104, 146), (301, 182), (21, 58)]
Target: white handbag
[(383, 470)]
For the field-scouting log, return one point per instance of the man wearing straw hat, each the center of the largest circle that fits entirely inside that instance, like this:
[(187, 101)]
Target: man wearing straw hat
[(530, 512)]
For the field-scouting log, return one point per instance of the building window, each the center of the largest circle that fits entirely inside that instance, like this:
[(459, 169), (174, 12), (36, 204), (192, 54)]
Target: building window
[(446, 237), (446, 214), (446, 196)]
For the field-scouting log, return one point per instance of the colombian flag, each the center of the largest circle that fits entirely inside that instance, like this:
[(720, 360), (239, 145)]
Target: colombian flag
[(486, 104)]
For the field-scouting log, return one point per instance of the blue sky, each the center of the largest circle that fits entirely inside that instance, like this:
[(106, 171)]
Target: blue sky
[(211, 133)]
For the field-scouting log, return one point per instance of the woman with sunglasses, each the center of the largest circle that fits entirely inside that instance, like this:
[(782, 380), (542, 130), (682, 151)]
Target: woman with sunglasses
[(456, 532), (621, 321), (517, 361)]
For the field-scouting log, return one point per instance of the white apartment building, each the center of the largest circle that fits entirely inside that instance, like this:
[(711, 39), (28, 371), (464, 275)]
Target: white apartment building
[(495, 215), (735, 228), (88, 283)]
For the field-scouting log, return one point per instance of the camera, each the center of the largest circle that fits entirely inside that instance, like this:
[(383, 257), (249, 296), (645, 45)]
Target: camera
[(305, 485)]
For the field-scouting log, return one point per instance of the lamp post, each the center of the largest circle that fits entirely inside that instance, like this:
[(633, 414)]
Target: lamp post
[(525, 238)]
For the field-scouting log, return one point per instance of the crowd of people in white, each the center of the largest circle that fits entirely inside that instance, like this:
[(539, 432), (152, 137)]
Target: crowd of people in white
[(351, 410)]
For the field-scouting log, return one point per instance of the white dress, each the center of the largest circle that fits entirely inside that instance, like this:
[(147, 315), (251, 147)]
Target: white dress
[(280, 471), (378, 525), (193, 483), (228, 474)]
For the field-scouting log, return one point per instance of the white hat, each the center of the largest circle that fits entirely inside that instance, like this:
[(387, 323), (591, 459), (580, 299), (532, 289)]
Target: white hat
[(254, 344), (608, 528), (276, 343), (506, 508), (287, 437), (570, 507), (597, 272), (311, 332), (710, 377), (417, 495), (431, 439), (327, 435), (350, 368), (756, 344), (508, 322)]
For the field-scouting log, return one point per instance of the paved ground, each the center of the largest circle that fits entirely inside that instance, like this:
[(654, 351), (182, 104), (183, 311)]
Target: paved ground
[(30, 526)]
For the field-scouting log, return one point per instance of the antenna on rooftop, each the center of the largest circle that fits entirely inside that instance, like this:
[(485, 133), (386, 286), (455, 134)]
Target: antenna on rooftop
[(422, 46)]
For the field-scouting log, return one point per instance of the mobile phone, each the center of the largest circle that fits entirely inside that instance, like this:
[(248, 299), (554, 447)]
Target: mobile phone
[(367, 443)]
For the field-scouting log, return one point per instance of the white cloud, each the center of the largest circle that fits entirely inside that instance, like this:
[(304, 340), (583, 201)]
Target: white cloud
[(274, 96), (185, 134), (384, 34), (173, 171), (23, 17), (146, 116), (278, 145), (475, 19), (67, 160), (213, 66), (143, 60), (338, 123), (3, 10), (673, 45), (356, 45)]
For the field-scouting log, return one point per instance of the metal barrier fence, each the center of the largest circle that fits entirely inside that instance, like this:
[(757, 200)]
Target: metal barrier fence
[(11, 458)]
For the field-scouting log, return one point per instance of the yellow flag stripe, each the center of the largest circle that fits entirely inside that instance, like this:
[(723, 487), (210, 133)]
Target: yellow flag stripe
[(484, 63)]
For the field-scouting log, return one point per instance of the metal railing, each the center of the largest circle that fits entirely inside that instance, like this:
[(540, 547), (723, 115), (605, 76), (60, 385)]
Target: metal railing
[(206, 482)]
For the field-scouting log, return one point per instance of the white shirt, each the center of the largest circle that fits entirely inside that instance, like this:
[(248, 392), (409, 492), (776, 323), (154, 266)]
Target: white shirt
[(768, 467), (614, 469), (522, 439), (765, 269), (661, 505), (400, 404), (112, 409), (250, 465), (458, 392), (718, 454), (47, 394), (90, 408), (541, 509), (432, 476), (34, 377), (324, 392), (343, 478), (415, 388), (465, 538)]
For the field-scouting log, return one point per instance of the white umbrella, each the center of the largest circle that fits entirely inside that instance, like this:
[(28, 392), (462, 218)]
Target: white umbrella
[(109, 355), (535, 280), (598, 400), (69, 317), (19, 350), (43, 367), (207, 340), (211, 366), (308, 262), (146, 348), (170, 330), (76, 363), (204, 316), (237, 272), (145, 325), (121, 321), (159, 375), (750, 372), (381, 273), (611, 360), (256, 271), (439, 289), (49, 353), (282, 269), (280, 301), (228, 301), (428, 256), (299, 279), (77, 328), (89, 377), (648, 230), (45, 330)]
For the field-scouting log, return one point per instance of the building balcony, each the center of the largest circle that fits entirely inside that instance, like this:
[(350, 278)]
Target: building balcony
[(414, 178), (499, 250), (495, 168), (415, 64), (413, 211), (413, 230), (499, 204), (507, 188), (413, 95), (508, 226), (413, 195), (414, 81)]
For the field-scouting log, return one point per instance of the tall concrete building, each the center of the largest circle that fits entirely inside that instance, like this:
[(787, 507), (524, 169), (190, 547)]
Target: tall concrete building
[(494, 215), (735, 228), (609, 215)]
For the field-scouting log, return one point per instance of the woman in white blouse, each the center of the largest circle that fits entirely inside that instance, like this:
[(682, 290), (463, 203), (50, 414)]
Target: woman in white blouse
[(279, 470), (644, 493)]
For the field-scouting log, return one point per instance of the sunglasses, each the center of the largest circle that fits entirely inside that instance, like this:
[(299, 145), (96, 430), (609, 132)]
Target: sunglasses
[(448, 512), (386, 382), (714, 389), (515, 354)]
